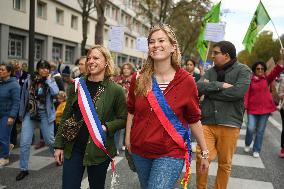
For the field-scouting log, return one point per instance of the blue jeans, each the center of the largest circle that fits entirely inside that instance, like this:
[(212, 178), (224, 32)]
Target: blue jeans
[(73, 170), (256, 124), (5, 132), (27, 132), (159, 173)]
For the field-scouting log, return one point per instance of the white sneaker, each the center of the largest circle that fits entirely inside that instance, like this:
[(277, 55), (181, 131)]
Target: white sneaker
[(255, 154), (3, 162), (246, 148)]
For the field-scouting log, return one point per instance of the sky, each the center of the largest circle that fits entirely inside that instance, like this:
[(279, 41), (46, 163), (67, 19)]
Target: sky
[(240, 14)]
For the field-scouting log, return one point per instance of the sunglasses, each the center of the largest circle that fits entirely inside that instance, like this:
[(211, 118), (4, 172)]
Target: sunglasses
[(259, 69), (215, 52)]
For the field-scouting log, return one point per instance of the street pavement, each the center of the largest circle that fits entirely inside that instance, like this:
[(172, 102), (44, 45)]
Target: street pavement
[(266, 172)]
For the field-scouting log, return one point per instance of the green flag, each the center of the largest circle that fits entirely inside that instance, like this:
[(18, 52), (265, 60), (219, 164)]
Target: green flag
[(212, 16), (259, 20)]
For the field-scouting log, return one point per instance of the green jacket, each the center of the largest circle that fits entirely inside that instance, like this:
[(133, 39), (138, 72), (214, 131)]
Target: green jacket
[(224, 106), (111, 109)]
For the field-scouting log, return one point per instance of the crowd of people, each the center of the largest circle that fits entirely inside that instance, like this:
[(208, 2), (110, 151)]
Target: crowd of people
[(90, 112)]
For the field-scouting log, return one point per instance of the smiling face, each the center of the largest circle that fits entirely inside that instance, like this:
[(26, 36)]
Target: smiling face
[(96, 63), (160, 47)]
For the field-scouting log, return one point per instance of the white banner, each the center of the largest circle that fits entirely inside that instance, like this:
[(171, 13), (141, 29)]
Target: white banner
[(142, 44), (116, 36), (214, 32)]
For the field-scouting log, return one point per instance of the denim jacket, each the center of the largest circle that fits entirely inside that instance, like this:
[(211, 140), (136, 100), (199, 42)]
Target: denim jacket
[(51, 92), (9, 97)]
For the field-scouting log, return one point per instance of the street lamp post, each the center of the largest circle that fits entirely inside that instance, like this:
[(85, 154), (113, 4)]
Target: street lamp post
[(31, 36)]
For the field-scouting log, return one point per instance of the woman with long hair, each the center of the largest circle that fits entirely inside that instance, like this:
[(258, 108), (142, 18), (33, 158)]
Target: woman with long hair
[(162, 105)]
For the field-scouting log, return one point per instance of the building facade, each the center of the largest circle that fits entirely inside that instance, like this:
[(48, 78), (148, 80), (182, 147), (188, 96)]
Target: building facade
[(58, 30)]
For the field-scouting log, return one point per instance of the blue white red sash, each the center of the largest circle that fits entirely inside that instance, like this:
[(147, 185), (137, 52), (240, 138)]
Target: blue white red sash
[(91, 117), (171, 124)]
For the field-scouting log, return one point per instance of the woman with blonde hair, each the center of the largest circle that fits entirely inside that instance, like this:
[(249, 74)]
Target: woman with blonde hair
[(95, 110), (162, 105)]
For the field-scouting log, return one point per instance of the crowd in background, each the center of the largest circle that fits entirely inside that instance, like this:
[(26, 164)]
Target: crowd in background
[(38, 100)]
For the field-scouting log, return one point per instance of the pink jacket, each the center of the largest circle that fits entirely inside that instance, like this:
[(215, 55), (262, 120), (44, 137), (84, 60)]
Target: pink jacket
[(258, 99)]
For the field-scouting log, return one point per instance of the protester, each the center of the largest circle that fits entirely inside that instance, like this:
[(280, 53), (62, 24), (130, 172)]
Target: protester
[(82, 66), (75, 72), (56, 75), (21, 76), (36, 108), (281, 109), (223, 86), (159, 139), (67, 80), (258, 111), (124, 79), (105, 102), (190, 66), (61, 99), (9, 103)]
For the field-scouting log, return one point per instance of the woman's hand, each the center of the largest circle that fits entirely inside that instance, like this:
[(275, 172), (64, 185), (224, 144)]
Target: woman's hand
[(203, 166), (127, 143), (10, 121), (59, 156)]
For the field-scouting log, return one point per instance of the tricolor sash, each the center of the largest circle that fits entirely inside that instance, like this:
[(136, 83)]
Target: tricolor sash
[(91, 117), (171, 124)]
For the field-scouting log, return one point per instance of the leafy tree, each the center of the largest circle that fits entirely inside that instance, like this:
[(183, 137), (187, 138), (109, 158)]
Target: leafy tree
[(264, 48), (244, 57), (186, 18), (157, 11)]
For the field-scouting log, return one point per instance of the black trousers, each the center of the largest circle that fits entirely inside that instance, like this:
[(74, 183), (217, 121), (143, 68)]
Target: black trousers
[(73, 171)]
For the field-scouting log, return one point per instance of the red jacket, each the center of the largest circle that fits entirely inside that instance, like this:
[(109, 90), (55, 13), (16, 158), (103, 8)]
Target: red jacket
[(148, 137), (258, 99)]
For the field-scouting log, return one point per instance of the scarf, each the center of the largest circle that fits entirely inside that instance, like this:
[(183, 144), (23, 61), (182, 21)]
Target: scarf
[(220, 70)]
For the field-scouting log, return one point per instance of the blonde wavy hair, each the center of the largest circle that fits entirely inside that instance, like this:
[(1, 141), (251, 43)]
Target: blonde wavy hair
[(144, 81), (109, 62)]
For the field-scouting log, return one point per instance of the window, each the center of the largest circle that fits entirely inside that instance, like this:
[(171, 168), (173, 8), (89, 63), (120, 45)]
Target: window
[(38, 49), (126, 41), (69, 55), (57, 52), (59, 16), (19, 5), (132, 44), (41, 9), (16, 46), (74, 22), (107, 10)]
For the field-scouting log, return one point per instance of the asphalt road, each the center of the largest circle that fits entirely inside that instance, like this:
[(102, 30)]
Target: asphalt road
[(266, 172)]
